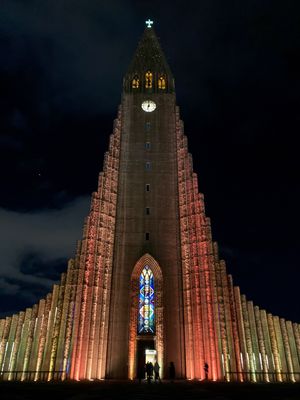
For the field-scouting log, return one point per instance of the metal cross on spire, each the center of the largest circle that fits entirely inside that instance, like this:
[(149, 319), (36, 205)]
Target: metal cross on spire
[(149, 23)]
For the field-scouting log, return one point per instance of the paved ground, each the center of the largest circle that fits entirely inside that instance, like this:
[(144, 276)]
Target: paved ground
[(134, 391)]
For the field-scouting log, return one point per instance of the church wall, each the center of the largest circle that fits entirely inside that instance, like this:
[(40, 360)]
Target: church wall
[(222, 327), (94, 263)]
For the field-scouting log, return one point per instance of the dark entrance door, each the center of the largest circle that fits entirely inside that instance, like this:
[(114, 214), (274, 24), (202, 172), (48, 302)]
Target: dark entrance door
[(142, 346)]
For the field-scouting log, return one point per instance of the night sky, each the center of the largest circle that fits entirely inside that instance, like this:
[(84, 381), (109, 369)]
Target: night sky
[(236, 66)]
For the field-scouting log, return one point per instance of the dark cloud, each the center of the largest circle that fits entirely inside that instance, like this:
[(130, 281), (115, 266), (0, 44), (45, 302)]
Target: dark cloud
[(61, 56), (34, 264), (35, 247), (8, 142)]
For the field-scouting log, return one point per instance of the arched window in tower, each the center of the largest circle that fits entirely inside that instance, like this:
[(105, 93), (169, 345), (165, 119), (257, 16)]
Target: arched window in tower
[(135, 84), (148, 80), (162, 83), (146, 316)]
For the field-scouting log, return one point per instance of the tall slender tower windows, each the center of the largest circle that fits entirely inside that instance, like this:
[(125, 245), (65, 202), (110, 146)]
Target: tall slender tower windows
[(135, 84), (162, 83), (148, 80), (146, 316)]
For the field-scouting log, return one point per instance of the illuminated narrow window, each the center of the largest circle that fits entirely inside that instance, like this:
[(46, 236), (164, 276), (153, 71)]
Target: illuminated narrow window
[(146, 316), (135, 82), (148, 80), (161, 83)]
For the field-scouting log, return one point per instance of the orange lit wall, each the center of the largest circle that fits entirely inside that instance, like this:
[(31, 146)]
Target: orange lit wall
[(222, 328)]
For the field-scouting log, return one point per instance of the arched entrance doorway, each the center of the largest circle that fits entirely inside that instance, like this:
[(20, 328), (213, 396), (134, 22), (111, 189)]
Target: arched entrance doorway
[(146, 314)]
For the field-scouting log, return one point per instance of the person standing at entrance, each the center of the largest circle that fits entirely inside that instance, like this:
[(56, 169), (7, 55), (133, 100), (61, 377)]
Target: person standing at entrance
[(156, 372), (206, 370), (149, 371)]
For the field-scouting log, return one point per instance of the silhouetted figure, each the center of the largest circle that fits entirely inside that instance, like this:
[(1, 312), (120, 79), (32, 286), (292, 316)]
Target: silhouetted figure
[(172, 371), (149, 371), (206, 370), (156, 372)]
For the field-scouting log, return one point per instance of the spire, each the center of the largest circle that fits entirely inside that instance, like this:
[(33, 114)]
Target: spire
[(149, 58)]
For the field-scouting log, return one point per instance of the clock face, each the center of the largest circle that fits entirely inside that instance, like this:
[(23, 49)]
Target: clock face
[(148, 105)]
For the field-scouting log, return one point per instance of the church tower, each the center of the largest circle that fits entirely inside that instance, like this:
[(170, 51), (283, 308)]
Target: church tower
[(147, 221), (147, 283)]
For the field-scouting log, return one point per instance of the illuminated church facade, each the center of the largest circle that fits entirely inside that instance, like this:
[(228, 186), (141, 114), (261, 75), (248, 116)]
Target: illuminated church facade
[(147, 282)]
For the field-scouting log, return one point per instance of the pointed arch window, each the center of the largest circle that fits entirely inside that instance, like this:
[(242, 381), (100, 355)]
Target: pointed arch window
[(162, 82), (146, 316), (148, 80), (135, 84)]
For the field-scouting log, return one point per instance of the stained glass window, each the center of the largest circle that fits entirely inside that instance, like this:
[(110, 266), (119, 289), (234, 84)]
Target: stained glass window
[(146, 317)]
